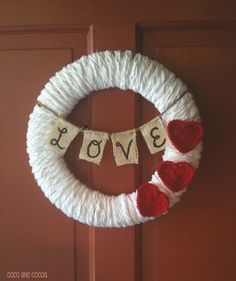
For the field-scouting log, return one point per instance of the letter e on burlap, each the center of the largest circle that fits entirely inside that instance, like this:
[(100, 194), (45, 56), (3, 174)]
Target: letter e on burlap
[(154, 135)]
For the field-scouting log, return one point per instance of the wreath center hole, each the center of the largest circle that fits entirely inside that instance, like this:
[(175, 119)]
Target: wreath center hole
[(112, 110)]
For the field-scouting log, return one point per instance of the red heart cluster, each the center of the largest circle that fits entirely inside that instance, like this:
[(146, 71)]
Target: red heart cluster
[(185, 135), (176, 176)]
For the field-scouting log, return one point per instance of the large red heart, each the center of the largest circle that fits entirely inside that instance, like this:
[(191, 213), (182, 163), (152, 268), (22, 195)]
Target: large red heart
[(176, 176), (185, 135), (151, 201)]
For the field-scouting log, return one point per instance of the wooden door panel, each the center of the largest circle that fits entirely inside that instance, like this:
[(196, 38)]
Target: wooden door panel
[(27, 232), (194, 52), (35, 237)]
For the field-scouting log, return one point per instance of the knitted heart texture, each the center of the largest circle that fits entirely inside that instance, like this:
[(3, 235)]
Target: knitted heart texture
[(185, 135), (175, 176), (151, 201)]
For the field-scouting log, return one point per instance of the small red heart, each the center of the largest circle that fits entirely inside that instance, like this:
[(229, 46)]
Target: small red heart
[(176, 176), (185, 135), (151, 201)]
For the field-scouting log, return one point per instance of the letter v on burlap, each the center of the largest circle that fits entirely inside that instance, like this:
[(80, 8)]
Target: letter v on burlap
[(125, 147)]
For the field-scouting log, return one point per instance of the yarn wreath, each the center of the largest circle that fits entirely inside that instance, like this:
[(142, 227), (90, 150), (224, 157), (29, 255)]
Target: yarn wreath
[(150, 79)]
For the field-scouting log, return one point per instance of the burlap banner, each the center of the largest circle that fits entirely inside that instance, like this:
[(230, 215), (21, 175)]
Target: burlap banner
[(125, 147), (154, 134), (62, 135), (93, 146), (124, 143)]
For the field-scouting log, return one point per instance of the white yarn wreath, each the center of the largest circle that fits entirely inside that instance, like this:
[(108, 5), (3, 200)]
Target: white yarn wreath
[(97, 71)]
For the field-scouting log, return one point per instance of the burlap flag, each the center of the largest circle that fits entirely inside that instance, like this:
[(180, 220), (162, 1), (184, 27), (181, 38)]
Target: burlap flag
[(93, 146), (62, 135), (125, 147), (154, 134)]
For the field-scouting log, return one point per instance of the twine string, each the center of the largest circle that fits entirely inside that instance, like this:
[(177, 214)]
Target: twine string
[(85, 127)]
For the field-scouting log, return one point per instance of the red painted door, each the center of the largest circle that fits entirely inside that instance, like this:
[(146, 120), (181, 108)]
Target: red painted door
[(196, 240)]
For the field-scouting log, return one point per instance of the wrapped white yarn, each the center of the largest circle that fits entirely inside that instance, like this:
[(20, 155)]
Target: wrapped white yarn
[(103, 70)]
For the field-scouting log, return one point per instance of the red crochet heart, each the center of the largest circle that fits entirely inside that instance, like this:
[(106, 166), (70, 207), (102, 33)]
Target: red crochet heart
[(151, 201), (185, 135), (176, 176)]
